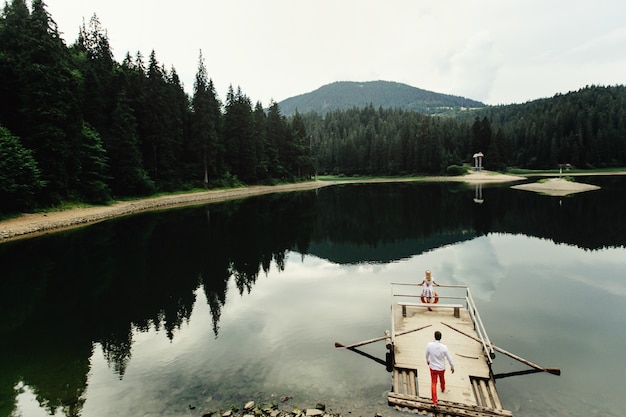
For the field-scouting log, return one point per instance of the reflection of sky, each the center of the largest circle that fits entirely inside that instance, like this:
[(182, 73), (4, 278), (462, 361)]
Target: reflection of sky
[(485, 261), (28, 405), (278, 339)]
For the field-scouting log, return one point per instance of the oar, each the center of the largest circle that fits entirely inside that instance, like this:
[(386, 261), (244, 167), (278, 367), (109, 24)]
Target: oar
[(553, 371), (517, 373), (378, 339), (367, 355)]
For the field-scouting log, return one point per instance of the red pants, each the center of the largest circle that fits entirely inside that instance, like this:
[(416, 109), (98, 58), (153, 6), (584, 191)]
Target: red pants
[(433, 383)]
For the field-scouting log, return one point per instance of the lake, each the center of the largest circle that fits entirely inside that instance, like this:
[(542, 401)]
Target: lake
[(212, 306)]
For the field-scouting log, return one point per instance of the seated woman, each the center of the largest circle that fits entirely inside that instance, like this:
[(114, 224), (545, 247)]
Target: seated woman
[(428, 293)]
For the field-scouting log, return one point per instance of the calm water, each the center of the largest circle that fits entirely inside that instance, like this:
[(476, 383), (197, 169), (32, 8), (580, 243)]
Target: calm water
[(214, 306)]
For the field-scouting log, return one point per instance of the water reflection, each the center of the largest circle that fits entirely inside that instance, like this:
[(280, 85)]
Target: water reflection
[(478, 194), (67, 298)]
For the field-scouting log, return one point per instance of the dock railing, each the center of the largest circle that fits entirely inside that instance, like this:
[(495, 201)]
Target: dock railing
[(402, 291)]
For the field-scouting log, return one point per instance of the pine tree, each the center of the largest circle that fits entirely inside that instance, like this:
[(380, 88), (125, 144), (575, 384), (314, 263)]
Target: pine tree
[(47, 116), (260, 133), (240, 154), (121, 137), (94, 168), (178, 115), (161, 125), (14, 28), (303, 164), (276, 131), (203, 147), (94, 58), (19, 175)]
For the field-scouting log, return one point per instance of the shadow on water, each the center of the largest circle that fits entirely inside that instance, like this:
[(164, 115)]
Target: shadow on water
[(61, 294)]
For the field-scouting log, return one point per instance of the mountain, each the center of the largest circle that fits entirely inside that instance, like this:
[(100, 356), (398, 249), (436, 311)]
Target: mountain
[(343, 95)]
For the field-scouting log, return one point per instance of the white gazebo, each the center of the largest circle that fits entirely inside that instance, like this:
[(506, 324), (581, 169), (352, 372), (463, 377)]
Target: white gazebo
[(478, 161)]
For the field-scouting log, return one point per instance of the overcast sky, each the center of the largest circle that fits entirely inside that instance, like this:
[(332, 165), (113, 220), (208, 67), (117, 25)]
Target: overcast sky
[(494, 51)]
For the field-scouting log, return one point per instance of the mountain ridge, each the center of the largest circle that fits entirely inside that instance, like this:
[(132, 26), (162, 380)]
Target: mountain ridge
[(341, 95)]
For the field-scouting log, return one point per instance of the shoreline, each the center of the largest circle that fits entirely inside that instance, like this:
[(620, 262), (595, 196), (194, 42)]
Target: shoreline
[(37, 224)]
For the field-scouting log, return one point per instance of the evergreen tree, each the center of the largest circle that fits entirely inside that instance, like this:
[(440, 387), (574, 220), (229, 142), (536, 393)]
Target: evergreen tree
[(160, 125), (94, 168), (203, 147), (19, 175), (47, 117), (14, 29), (240, 148), (260, 133), (94, 58), (128, 176), (177, 115), (303, 164), (276, 131), (481, 135)]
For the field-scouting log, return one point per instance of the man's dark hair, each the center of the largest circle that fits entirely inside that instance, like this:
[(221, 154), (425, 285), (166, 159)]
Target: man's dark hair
[(437, 335)]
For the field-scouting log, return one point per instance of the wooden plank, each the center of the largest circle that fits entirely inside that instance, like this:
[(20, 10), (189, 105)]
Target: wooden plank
[(485, 393), (494, 392), (456, 307), (477, 393), (395, 379), (410, 304), (405, 388), (411, 376), (445, 407), (409, 351), (470, 391)]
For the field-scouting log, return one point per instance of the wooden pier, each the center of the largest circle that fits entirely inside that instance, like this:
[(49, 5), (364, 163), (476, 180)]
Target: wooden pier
[(471, 390)]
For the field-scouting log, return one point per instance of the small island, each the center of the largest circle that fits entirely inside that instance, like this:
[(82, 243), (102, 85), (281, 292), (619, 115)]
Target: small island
[(556, 187)]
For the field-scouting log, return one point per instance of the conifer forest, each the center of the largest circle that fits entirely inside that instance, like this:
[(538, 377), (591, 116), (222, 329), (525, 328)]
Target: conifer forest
[(75, 125)]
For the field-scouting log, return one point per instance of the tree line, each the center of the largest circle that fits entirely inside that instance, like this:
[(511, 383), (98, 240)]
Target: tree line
[(585, 129), (75, 125)]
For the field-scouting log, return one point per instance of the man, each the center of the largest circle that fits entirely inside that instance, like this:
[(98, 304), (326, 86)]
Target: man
[(436, 355)]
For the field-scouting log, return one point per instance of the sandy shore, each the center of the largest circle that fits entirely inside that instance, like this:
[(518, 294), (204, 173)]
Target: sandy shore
[(31, 225), (557, 187)]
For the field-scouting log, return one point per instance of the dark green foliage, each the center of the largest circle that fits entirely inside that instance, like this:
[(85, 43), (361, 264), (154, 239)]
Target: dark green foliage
[(301, 158), (88, 128), (260, 132), (203, 148), (19, 174), (94, 59), (162, 125), (41, 85), (276, 131), (385, 142), (585, 128), (455, 170), (96, 128), (94, 168), (128, 177)]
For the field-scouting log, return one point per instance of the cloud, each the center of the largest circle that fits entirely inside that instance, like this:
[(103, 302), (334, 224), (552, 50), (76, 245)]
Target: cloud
[(496, 52)]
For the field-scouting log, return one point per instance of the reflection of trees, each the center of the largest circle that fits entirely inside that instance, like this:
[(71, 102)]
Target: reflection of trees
[(55, 367), (99, 284), (117, 351)]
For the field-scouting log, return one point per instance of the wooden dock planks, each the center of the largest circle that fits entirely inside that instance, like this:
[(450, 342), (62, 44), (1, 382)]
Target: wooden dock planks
[(470, 386)]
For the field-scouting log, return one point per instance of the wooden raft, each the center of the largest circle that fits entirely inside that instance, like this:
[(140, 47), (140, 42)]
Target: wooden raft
[(470, 391)]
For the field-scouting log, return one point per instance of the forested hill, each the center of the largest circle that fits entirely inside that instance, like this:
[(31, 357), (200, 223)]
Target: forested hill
[(344, 95), (585, 128), (75, 125)]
